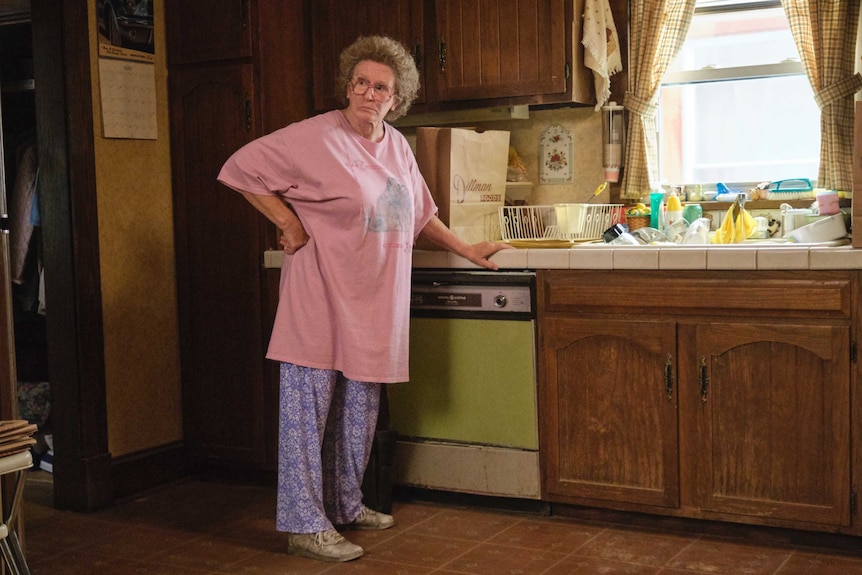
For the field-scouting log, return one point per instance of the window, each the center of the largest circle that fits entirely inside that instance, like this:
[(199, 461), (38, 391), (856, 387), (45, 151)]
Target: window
[(736, 106)]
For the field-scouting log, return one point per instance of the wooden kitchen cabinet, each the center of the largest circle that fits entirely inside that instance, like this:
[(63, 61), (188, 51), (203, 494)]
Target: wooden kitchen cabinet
[(218, 239), (471, 54), (507, 53), (505, 49), (332, 32), (230, 92), (766, 425), (208, 31), (610, 431), (659, 396)]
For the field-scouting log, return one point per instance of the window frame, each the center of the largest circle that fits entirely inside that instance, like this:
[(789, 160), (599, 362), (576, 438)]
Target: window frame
[(711, 74)]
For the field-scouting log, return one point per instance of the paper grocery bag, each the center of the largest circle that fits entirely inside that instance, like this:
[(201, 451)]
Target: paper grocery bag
[(466, 172)]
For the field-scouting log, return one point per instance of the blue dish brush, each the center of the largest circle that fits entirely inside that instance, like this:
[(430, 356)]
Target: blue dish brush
[(792, 189)]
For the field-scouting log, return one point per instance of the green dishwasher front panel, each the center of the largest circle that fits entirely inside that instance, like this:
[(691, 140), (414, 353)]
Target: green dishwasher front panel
[(471, 381)]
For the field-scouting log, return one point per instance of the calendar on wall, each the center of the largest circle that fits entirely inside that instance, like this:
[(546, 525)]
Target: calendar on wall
[(128, 96), (127, 82)]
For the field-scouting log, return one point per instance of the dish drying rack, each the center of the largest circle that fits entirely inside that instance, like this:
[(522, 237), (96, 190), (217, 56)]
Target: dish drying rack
[(575, 222)]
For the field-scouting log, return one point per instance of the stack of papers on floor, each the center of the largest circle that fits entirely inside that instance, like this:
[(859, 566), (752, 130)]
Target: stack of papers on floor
[(16, 435)]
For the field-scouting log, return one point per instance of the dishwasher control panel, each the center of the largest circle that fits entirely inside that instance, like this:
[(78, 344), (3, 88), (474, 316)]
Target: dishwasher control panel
[(509, 293)]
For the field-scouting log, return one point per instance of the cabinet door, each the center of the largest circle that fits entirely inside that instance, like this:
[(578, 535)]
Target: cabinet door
[(207, 31), (769, 434), (332, 32), (499, 49), (219, 242), (608, 422)]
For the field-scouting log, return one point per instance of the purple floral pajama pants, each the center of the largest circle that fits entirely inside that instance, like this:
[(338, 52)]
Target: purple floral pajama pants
[(326, 428)]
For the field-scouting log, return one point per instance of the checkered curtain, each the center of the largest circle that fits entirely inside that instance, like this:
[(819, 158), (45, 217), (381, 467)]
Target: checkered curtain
[(657, 32), (825, 35)]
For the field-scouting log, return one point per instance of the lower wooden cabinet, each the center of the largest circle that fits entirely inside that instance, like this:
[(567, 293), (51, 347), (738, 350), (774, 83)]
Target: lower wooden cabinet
[(610, 430), (695, 395), (765, 420)]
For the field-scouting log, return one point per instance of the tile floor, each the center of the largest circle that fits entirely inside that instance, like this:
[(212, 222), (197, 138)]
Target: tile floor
[(203, 528)]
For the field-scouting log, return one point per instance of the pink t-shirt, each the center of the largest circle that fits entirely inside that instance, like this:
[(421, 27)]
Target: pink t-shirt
[(344, 299)]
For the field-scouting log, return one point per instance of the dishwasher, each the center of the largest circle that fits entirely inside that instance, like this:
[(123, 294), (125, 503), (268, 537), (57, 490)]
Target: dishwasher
[(467, 419)]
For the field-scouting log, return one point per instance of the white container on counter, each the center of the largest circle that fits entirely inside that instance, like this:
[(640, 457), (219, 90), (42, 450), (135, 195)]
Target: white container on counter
[(792, 218), (823, 230)]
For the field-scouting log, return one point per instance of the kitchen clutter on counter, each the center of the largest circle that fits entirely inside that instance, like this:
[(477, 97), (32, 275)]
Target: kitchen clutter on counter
[(570, 225), (675, 221), (683, 215)]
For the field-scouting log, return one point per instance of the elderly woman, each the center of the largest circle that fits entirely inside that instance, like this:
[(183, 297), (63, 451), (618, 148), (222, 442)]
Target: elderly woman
[(344, 189)]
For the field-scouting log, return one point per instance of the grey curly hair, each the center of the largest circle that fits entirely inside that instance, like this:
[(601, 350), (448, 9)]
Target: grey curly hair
[(383, 50)]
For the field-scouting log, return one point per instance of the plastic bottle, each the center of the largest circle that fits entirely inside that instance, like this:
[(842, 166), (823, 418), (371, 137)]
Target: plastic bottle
[(673, 212), (656, 206)]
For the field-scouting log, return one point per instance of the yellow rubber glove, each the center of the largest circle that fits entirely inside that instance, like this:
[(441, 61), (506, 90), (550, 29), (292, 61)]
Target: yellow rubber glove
[(734, 232)]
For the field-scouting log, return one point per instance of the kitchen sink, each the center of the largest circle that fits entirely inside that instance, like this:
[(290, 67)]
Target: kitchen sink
[(543, 244), (765, 242)]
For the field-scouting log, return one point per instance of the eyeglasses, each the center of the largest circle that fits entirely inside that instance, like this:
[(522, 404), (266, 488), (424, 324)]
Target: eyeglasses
[(381, 92)]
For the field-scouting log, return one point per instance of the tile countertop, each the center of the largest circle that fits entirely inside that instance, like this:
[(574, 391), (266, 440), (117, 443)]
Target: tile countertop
[(711, 257), (602, 257)]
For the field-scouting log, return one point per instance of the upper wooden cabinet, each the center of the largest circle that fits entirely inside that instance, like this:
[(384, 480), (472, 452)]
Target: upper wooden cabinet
[(332, 32), (208, 31), (470, 54), (503, 49)]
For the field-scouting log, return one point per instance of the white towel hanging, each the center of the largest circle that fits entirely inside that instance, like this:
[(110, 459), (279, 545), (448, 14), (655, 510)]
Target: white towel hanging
[(602, 47)]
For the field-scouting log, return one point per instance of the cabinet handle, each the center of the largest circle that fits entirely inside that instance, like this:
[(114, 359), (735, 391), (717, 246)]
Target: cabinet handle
[(442, 55), (668, 379), (704, 380), (247, 113)]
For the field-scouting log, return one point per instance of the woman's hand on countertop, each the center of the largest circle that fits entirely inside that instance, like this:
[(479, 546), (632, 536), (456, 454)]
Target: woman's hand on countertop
[(439, 234), (479, 253)]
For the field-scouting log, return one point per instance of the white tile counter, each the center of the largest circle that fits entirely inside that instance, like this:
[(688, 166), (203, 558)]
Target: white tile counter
[(602, 257), (711, 257)]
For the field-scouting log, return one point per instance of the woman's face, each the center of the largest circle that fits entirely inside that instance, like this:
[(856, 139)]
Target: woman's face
[(371, 92)]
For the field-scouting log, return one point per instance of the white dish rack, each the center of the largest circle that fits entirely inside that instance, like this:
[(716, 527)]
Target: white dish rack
[(576, 222)]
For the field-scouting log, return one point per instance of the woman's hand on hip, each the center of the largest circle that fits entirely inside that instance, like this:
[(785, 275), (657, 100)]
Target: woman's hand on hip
[(293, 238), (279, 212)]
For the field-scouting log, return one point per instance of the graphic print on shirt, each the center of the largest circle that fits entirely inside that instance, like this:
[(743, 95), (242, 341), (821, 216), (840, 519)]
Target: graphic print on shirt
[(393, 211)]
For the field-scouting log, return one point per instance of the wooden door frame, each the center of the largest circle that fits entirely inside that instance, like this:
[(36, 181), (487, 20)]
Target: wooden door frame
[(67, 183)]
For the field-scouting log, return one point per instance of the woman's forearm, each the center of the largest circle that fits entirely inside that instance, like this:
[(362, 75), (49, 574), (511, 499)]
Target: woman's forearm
[(436, 232), (293, 234)]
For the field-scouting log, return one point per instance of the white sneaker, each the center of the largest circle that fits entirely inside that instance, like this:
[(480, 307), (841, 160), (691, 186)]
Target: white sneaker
[(370, 520), (326, 545)]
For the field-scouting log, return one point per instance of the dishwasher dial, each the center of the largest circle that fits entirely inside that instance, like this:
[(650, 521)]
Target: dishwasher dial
[(500, 301)]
